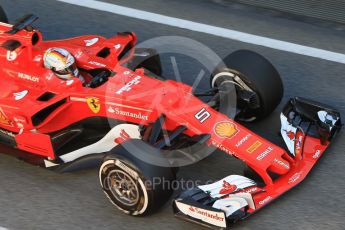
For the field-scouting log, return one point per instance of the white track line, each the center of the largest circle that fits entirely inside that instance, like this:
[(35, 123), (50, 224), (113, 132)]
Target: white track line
[(213, 30)]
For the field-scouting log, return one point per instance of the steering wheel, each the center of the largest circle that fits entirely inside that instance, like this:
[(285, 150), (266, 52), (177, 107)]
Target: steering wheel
[(98, 80)]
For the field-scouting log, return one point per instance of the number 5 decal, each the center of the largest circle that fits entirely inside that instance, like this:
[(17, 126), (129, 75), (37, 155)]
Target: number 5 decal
[(202, 115)]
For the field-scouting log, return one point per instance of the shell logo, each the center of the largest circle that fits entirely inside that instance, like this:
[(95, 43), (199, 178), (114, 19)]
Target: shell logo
[(225, 129)]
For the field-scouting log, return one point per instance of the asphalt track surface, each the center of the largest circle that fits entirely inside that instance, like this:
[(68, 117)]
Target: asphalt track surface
[(34, 198)]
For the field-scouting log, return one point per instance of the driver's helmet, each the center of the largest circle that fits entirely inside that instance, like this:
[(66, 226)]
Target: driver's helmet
[(61, 62)]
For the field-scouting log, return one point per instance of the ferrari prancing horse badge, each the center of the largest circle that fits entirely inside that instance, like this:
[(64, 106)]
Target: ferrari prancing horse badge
[(94, 104)]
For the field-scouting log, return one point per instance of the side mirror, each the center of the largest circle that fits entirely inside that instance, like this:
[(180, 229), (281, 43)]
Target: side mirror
[(23, 23)]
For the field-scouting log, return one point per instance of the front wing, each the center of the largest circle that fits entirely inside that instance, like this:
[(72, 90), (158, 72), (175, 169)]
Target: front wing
[(307, 128)]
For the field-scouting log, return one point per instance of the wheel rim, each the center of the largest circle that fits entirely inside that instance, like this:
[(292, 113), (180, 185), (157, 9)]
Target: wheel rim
[(249, 96), (123, 187)]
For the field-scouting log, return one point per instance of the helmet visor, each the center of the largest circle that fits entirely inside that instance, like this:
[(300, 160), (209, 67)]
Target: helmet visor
[(72, 69)]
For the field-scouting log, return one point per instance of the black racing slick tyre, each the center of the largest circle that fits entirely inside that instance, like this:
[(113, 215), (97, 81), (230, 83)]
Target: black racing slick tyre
[(258, 84), (133, 186), (148, 59), (3, 17)]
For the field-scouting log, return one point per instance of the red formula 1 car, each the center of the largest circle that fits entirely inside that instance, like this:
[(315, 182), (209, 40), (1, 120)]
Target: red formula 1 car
[(140, 128)]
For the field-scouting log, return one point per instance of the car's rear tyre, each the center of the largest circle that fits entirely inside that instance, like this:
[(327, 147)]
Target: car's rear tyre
[(148, 59), (258, 84), (3, 17), (133, 186)]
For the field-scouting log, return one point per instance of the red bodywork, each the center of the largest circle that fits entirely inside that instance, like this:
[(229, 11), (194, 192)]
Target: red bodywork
[(22, 69)]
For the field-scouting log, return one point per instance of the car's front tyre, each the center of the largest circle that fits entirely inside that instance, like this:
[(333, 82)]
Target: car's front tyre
[(124, 186), (148, 59), (134, 186), (258, 84)]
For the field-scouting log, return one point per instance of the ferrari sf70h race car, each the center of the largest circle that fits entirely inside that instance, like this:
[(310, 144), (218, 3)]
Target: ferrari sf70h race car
[(136, 126)]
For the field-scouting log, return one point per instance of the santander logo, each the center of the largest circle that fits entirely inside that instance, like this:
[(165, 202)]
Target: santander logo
[(206, 214), (264, 201)]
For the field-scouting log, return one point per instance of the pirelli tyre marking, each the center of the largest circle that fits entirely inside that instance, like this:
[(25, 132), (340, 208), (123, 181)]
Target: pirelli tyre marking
[(134, 179)]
